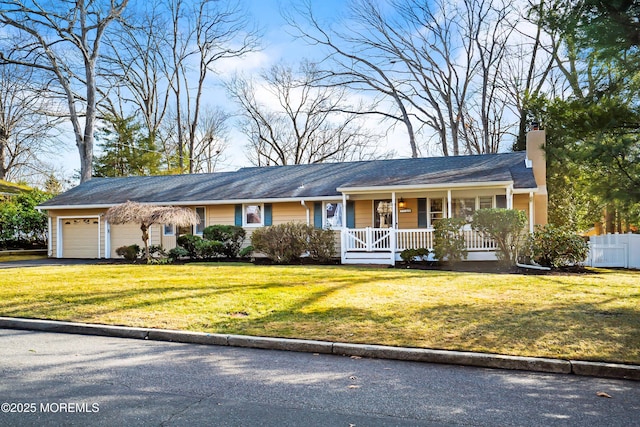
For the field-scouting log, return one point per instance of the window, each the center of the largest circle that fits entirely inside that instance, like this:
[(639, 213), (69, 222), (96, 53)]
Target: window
[(333, 215), (486, 202), (199, 227), (463, 208), (169, 230), (253, 215), (436, 210)]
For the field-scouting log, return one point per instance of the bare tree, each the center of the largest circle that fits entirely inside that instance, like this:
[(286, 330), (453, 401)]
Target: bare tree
[(210, 140), (26, 132), (62, 39), (354, 67), (298, 123), (138, 68), (203, 33), (437, 61), (534, 73)]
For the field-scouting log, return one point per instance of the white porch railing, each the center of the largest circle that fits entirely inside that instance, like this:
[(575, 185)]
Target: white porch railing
[(381, 239), (368, 239)]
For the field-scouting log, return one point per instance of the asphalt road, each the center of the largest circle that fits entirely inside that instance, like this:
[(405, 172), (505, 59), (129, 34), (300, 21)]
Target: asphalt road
[(62, 379)]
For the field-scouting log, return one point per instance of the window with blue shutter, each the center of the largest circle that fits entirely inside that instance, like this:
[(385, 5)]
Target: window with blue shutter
[(238, 215), (351, 215), (422, 213), (267, 214), (317, 215)]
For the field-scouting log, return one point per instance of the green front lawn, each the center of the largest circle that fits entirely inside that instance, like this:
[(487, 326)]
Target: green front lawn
[(594, 316)]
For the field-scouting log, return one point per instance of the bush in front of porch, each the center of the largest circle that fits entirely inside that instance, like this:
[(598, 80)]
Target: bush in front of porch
[(506, 228), (449, 246)]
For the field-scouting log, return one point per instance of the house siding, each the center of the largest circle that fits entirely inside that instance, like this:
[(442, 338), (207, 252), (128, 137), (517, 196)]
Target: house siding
[(364, 213), (220, 215), (124, 235), (521, 203), (168, 242), (289, 212), (409, 219)]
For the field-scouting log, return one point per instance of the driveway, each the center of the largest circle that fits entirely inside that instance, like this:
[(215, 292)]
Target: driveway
[(64, 379)]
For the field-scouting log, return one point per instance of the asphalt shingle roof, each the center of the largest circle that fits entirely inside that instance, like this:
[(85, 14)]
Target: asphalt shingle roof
[(300, 181)]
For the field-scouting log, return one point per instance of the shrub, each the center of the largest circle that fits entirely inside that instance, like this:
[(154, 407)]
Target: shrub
[(208, 249), (157, 251), (177, 253), (282, 243), (188, 242), (21, 225), (448, 243), (506, 227), (130, 253), (410, 255), (246, 251), (230, 236), (553, 246), (321, 244)]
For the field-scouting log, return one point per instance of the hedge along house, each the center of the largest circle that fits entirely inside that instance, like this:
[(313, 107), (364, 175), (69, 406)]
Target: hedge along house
[(378, 208)]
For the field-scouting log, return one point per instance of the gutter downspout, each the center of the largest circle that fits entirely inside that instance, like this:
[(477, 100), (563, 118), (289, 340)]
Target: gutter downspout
[(535, 267), (302, 202), (531, 213)]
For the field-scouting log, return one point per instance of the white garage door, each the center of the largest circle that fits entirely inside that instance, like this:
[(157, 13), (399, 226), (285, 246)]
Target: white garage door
[(80, 238)]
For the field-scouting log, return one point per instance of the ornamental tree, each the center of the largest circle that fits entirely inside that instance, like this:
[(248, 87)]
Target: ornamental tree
[(147, 215)]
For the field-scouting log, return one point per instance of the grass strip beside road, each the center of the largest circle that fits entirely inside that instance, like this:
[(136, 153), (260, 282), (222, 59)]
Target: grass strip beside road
[(594, 316)]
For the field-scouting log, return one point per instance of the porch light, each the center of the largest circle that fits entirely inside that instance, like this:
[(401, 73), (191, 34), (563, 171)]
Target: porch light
[(401, 203)]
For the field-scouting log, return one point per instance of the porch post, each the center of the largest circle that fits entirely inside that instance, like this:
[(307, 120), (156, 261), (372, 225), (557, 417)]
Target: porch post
[(394, 224), (394, 216), (448, 203), (531, 212), (343, 231), (509, 197)]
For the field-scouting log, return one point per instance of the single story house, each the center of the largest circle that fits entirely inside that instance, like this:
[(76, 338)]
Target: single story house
[(378, 208)]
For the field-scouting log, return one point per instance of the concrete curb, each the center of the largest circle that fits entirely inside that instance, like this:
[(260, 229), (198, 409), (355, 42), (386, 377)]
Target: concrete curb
[(483, 360)]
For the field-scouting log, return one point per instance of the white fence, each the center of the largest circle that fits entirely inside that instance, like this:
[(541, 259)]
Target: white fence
[(614, 250)]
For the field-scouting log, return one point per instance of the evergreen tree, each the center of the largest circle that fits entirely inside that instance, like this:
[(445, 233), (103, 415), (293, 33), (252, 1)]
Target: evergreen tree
[(126, 151)]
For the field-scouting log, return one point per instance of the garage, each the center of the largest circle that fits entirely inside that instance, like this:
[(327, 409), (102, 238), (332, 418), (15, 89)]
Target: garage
[(80, 237)]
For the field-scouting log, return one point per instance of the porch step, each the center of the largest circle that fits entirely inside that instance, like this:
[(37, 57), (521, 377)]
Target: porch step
[(367, 258)]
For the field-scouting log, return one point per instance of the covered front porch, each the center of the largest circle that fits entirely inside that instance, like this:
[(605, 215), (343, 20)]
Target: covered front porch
[(383, 245), (383, 224)]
